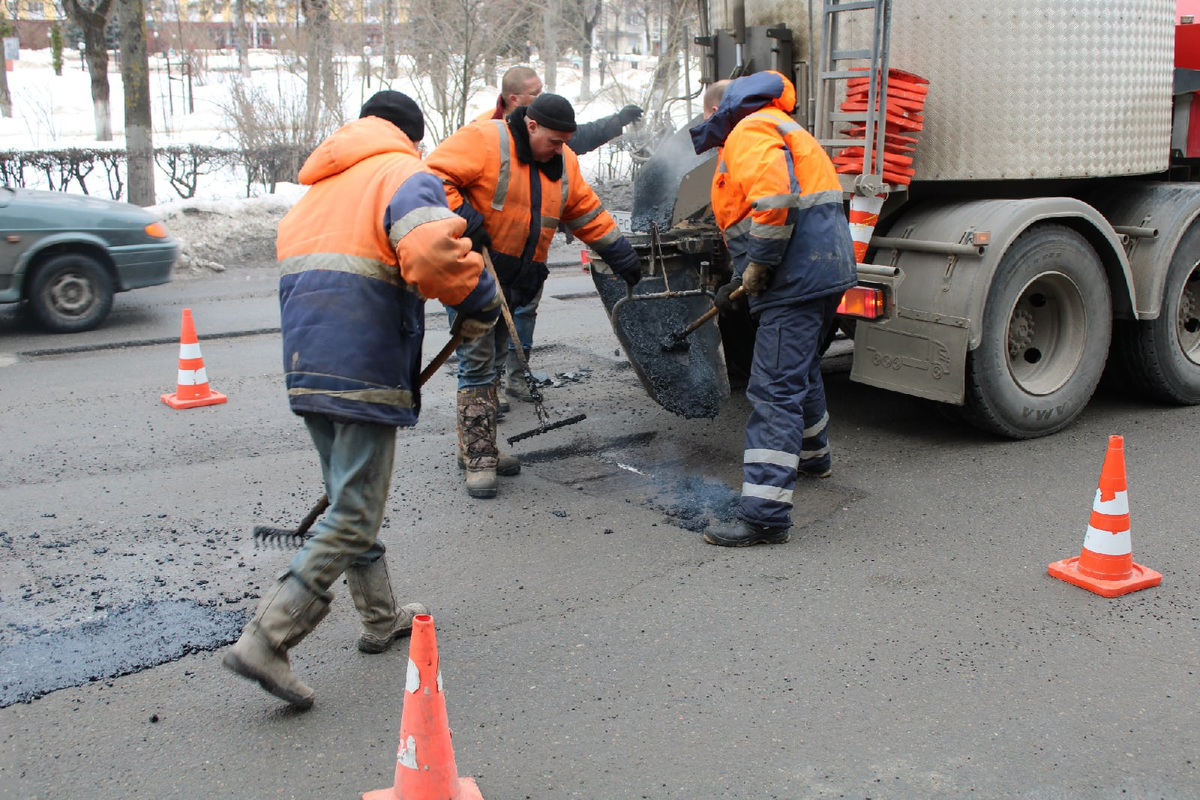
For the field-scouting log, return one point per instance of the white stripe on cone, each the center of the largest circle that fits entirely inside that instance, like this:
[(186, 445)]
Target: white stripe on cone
[(189, 350), (1116, 507), (1107, 543), (192, 377)]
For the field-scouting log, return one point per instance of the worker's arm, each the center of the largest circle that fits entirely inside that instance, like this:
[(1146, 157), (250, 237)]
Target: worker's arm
[(585, 218), (590, 135), (432, 253)]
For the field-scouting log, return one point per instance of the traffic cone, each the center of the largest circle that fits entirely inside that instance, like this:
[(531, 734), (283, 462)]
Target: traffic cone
[(864, 216), (192, 386), (1105, 566), (425, 768)]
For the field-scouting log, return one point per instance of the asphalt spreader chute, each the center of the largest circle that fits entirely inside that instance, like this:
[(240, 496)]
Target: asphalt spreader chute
[(676, 289)]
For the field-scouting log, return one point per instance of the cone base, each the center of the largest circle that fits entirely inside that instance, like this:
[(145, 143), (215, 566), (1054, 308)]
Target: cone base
[(214, 398), (1141, 578), (467, 790)]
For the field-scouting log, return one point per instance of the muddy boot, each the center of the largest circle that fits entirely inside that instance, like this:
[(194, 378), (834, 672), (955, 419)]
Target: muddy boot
[(286, 614), (502, 406), (477, 439), (740, 533), (514, 379), (382, 621)]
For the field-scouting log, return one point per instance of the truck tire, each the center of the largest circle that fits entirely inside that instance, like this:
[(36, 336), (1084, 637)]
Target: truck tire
[(1160, 358), (70, 293), (1045, 336)]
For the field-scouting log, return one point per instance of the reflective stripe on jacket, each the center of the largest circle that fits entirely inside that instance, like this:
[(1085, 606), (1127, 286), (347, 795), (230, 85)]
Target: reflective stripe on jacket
[(358, 254), (521, 205)]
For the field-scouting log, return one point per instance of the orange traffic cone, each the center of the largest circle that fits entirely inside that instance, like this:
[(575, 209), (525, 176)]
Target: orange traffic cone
[(1106, 564), (864, 216), (425, 768), (192, 387)]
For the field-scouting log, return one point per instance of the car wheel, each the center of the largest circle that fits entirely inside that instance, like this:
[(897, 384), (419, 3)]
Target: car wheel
[(70, 293)]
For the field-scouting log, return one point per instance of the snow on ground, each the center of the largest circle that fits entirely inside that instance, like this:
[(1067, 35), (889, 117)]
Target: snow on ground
[(221, 225)]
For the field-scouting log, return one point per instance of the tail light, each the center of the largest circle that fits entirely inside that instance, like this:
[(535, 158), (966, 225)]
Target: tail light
[(862, 301)]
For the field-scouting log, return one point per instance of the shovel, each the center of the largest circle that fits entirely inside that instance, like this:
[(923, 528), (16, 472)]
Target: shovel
[(674, 342), (266, 534)]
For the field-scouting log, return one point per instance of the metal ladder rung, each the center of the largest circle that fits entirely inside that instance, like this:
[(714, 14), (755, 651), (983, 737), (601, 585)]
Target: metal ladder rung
[(852, 116), (847, 55), (857, 5), (842, 142), (841, 74)]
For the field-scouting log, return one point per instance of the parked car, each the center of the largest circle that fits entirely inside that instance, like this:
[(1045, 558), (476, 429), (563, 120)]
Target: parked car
[(67, 254)]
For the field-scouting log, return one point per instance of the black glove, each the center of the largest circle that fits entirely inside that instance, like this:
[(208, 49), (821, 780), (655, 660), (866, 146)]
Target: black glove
[(628, 114), (723, 302), (480, 239), (631, 275)]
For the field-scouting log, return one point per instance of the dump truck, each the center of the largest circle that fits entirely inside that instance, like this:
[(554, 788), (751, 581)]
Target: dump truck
[(1049, 234)]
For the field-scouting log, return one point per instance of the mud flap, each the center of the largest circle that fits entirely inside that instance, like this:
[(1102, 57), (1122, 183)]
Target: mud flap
[(911, 356), (690, 381)]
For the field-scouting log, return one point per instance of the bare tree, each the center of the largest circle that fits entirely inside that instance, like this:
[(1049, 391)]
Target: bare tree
[(322, 82), (452, 44), (135, 77), (388, 23), (580, 18), (91, 16), (550, 21), (5, 97), (242, 34)]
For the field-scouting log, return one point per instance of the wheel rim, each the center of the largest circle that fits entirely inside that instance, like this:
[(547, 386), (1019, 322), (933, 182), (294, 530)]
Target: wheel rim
[(71, 294), (1187, 325), (1047, 332)]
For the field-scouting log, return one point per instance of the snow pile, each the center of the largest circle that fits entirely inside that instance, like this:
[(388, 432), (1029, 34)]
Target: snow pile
[(215, 234)]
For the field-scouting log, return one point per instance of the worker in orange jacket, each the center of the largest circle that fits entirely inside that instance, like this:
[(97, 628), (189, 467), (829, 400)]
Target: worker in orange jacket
[(778, 201), (514, 180), (520, 86), (358, 255)]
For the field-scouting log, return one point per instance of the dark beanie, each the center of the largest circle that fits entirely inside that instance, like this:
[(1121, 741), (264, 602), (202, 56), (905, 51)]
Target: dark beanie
[(553, 111), (398, 109)]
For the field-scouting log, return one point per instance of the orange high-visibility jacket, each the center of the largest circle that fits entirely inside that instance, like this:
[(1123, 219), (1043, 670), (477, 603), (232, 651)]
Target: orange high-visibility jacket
[(775, 193), (490, 175), (358, 254)]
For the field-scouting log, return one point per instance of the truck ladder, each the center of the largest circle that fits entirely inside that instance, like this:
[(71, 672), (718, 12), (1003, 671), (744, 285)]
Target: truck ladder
[(831, 56)]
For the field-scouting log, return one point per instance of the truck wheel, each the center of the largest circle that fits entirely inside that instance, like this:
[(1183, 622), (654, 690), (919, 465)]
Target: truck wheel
[(70, 293), (1161, 357), (1046, 331)]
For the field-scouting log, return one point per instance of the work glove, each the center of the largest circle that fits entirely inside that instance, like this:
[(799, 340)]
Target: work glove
[(628, 114), (480, 239), (631, 275), (723, 302), (756, 278), (471, 328)]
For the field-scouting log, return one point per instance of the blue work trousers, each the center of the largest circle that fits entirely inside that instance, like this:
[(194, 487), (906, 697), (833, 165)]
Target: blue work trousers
[(480, 361), (356, 463), (788, 427)]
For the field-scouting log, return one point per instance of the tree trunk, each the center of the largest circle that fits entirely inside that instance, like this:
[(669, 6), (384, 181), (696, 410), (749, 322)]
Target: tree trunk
[(91, 21), (135, 77), (589, 29), (242, 34), (550, 46), (5, 97), (389, 39)]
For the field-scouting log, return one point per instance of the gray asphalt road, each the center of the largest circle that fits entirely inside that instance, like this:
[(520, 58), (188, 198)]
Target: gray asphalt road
[(906, 643)]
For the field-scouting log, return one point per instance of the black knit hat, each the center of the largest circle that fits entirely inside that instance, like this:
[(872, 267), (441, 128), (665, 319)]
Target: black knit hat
[(554, 111), (398, 109)]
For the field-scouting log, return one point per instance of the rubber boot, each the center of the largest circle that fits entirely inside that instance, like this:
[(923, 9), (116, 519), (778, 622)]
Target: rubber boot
[(477, 439), (514, 379), (286, 614), (382, 621), (740, 533)]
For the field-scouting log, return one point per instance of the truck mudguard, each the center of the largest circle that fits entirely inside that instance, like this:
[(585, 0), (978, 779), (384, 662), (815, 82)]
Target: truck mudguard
[(1169, 208), (938, 300)]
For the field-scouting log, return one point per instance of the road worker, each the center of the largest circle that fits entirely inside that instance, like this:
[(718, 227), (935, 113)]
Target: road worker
[(514, 180), (358, 254), (519, 87), (778, 203)]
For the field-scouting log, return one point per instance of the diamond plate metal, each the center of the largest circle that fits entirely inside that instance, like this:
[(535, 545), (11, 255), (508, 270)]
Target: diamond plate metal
[(1023, 88)]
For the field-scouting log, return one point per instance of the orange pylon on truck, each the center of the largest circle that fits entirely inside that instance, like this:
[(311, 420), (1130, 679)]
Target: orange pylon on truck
[(192, 387), (1105, 566), (425, 768)]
